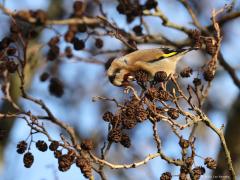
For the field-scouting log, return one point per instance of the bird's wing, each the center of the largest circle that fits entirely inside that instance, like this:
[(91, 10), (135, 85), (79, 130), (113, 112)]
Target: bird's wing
[(148, 55)]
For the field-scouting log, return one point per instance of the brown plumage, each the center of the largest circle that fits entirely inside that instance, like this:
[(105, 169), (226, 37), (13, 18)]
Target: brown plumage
[(150, 60)]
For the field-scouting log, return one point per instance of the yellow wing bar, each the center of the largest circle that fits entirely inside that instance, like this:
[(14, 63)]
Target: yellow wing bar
[(169, 54)]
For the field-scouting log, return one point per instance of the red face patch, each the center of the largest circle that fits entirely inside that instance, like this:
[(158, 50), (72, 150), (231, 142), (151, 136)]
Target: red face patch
[(126, 79)]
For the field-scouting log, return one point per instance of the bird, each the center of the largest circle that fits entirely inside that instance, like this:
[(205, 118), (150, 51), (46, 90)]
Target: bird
[(121, 70)]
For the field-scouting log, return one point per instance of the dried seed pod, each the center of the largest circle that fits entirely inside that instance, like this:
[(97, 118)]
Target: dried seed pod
[(72, 154), (189, 161), (64, 162), (56, 87), (129, 122), (87, 145), (166, 176), (21, 147), (128, 112), (69, 36), (197, 40), (152, 93), (197, 82), (115, 135), (184, 143), (183, 176), (160, 76), (108, 116), (173, 113), (57, 153), (116, 120), (211, 45), (41, 145), (53, 41), (130, 18), (163, 95), (54, 145), (24, 15), (138, 30), (133, 102), (141, 114), (28, 159), (198, 171), (150, 4), (82, 28), (120, 8), (208, 74), (184, 169), (68, 52), (99, 43), (77, 5), (53, 53), (78, 8), (41, 16), (78, 44), (187, 72), (210, 163), (73, 28), (125, 141), (44, 76), (141, 77), (85, 166)]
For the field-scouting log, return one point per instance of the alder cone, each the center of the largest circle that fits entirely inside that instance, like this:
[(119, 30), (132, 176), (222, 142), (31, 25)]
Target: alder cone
[(28, 159)]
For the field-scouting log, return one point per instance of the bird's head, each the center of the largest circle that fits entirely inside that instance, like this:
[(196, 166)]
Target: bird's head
[(117, 74)]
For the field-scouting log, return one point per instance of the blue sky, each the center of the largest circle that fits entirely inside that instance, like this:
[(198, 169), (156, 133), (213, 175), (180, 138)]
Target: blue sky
[(87, 113)]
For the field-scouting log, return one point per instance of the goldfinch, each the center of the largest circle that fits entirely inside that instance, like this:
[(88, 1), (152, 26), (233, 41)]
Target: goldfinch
[(121, 71)]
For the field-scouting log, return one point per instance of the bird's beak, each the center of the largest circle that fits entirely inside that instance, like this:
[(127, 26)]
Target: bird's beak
[(130, 78), (127, 80)]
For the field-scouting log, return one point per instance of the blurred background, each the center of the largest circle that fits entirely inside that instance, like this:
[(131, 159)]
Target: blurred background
[(82, 81)]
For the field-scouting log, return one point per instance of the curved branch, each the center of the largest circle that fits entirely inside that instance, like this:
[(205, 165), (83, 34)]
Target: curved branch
[(125, 166)]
